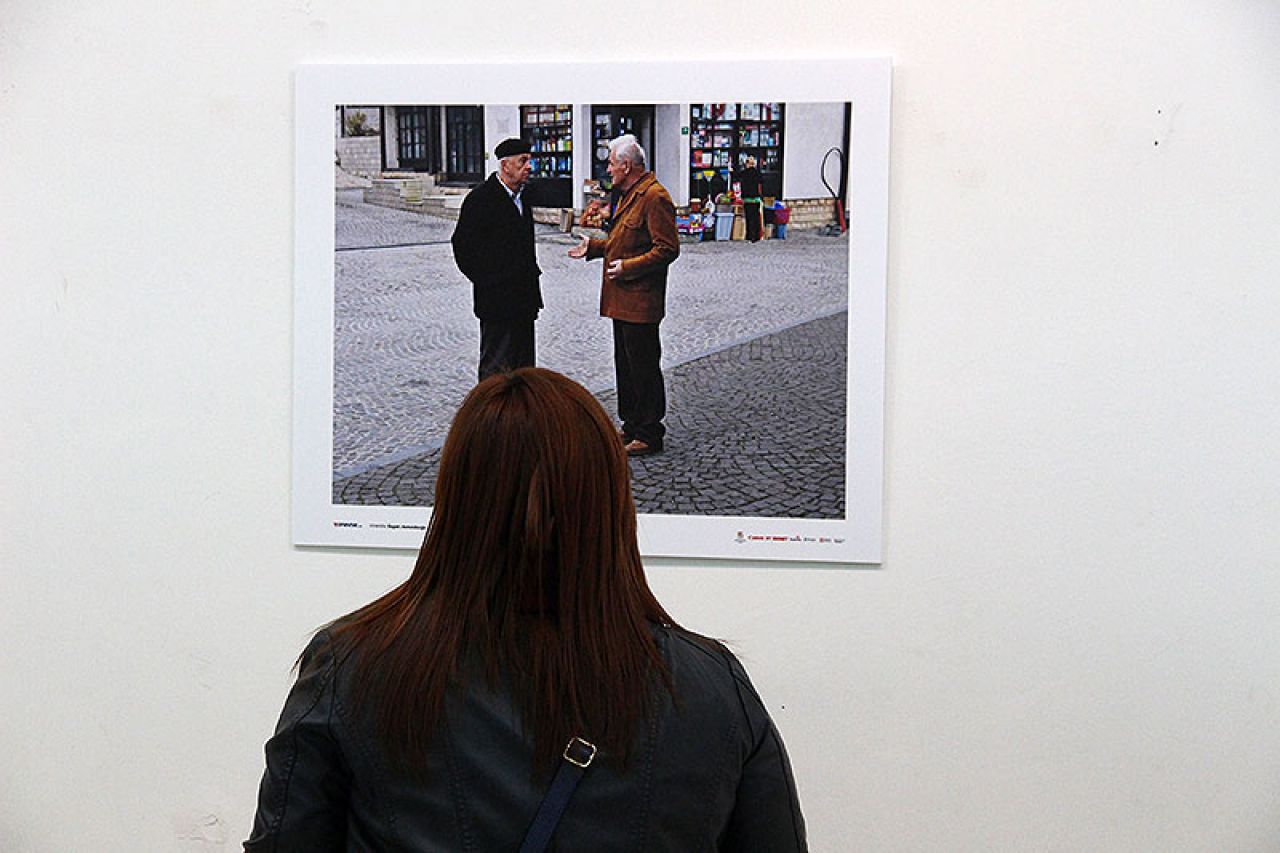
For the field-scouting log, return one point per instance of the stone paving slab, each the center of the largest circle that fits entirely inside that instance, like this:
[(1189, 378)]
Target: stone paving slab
[(362, 226), (754, 430), (406, 341)]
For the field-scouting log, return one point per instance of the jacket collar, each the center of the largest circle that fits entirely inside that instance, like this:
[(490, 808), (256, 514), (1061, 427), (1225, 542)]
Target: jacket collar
[(502, 191), (638, 189), (502, 184)]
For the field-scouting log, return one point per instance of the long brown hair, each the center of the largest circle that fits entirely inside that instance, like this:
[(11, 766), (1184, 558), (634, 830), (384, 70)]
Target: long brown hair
[(531, 561)]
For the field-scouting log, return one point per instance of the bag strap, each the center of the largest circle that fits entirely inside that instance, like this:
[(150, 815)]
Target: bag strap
[(578, 755)]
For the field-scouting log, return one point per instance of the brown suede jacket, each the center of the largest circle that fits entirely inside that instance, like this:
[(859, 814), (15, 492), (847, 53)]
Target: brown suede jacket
[(644, 238)]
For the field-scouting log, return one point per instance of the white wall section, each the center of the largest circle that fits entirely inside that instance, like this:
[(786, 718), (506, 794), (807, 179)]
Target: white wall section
[(1072, 643)]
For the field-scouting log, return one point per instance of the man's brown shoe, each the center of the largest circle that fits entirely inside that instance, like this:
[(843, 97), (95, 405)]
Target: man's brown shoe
[(636, 447)]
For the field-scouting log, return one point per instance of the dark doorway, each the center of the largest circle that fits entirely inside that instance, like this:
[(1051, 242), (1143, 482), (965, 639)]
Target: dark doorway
[(464, 144), (418, 139), (612, 120)]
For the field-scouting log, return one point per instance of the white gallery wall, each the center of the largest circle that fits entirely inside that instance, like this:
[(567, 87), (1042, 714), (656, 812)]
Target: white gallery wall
[(1074, 640)]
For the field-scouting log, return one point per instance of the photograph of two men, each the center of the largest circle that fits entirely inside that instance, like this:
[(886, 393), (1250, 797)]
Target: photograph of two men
[(708, 263), (598, 240)]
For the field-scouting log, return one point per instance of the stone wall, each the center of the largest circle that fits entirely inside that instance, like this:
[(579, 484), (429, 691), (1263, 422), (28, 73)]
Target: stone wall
[(360, 155), (811, 213), (547, 215)]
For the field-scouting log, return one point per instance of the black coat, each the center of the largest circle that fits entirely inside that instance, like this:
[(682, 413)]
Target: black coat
[(493, 246), (707, 774)]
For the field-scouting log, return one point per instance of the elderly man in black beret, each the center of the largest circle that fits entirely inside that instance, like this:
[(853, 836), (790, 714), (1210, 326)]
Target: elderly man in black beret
[(493, 247)]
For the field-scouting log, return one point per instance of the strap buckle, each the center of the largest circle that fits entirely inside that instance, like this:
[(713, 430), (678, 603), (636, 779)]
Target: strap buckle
[(577, 751)]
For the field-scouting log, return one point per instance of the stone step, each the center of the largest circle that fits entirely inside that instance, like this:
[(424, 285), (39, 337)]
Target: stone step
[(452, 201)]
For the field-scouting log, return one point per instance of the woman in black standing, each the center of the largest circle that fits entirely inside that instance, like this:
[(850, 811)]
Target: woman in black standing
[(526, 646), (749, 181)]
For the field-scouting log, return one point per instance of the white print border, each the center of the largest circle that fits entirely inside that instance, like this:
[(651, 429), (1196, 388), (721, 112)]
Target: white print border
[(864, 82)]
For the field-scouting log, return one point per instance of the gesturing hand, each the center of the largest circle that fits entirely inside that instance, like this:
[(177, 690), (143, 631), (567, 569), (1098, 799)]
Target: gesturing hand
[(580, 250), (614, 270)]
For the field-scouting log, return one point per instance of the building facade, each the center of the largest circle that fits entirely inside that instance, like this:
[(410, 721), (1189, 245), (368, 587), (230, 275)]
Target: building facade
[(694, 149)]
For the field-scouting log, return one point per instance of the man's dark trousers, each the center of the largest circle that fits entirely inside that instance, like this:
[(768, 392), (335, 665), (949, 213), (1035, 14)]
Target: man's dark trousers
[(642, 395), (505, 345)]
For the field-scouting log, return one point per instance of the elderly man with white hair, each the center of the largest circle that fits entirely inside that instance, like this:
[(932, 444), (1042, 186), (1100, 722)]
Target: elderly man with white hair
[(641, 244)]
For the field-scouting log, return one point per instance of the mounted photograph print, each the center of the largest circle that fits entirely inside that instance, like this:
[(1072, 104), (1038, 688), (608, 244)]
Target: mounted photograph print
[(451, 221)]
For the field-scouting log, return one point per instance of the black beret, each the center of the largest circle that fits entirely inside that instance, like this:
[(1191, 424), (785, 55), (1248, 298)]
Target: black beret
[(510, 148)]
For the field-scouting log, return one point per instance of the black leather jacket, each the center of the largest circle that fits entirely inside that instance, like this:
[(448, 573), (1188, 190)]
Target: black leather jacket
[(710, 773)]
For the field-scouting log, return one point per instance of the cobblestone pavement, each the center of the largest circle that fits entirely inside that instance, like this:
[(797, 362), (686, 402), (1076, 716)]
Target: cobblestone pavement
[(756, 430), (358, 225), (406, 341)]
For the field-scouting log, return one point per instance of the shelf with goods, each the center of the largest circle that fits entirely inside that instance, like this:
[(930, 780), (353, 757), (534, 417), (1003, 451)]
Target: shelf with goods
[(601, 133), (722, 136), (695, 220), (551, 165), (549, 131)]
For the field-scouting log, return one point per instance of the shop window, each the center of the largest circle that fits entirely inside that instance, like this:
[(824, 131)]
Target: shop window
[(722, 136)]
